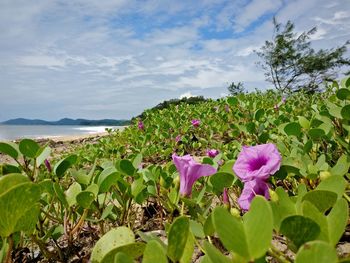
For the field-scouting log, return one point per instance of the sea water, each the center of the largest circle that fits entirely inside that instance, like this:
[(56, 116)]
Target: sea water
[(14, 132)]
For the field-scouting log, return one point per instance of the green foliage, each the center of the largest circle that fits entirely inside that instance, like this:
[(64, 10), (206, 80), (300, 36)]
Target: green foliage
[(128, 179), (291, 64)]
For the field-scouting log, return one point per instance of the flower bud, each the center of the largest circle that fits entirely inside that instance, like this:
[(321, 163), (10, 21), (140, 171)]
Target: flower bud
[(235, 212), (324, 175), (273, 195)]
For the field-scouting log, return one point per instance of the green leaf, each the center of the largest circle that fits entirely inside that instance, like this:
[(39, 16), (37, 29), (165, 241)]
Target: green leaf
[(317, 252), (258, 224), (282, 208), (29, 148), (305, 123), (11, 180), (299, 230), (230, 231), (259, 114), (132, 250), (221, 180), (322, 199), (121, 257), (214, 254), (336, 184), (16, 205), (62, 166), (208, 227), (341, 167), (316, 133), (337, 221), (8, 149), (44, 153), (189, 248), (177, 238), (127, 167), (292, 128), (60, 194), (345, 82), (343, 94), (197, 229), (73, 190), (233, 101), (137, 161), (107, 178), (114, 238), (154, 252), (85, 198), (345, 112)]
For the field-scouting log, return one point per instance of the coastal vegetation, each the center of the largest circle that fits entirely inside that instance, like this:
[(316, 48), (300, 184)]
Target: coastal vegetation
[(256, 177)]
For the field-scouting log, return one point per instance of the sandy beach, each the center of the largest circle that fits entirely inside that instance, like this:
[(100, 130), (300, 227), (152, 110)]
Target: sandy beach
[(60, 144)]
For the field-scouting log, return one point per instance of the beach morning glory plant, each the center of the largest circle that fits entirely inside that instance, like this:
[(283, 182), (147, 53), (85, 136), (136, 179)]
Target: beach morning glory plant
[(253, 167), (190, 171)]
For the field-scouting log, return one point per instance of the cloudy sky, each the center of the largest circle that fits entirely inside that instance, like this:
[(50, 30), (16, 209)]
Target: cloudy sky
[(113, 58)]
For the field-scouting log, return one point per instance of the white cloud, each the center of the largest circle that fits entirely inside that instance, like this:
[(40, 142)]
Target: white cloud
[(186, 95), (99, 59)]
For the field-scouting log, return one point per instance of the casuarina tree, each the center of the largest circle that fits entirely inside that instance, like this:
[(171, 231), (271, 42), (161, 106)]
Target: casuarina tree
[(291, 64)]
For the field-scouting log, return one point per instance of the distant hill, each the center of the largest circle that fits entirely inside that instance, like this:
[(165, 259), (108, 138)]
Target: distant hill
[(67, 121)]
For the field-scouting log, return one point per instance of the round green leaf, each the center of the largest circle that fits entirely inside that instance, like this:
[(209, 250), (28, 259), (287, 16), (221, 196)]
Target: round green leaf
[(322, 199), (85, 198), (299, 230), (233, 101), (29, 148), (127, 167), (259, 114), (316, 252), (154, 252), (18, 208), (292, 128), (62, 166), (177, 239), (345, 112), (8, 149), (316, 133), (117, 237), (343, 94)]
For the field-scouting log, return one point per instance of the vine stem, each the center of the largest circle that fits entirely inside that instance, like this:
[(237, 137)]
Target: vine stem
[(9, 250), (346, 197), (274, 252), (182, 208), (80, 222)]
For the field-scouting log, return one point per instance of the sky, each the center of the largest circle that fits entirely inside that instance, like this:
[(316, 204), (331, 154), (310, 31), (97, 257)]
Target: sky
[(100, 59)]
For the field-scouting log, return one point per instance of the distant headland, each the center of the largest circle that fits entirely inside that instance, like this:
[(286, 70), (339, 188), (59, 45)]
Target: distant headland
[(67, 121)]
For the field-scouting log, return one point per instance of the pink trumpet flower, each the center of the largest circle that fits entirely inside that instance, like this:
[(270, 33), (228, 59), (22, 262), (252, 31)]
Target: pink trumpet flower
[(212, 153), (48, 165), (254, 166), (140, 125), (195, 122), (190, 171)]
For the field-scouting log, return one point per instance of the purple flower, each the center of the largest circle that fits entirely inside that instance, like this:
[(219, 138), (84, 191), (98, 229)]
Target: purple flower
[(250, 190), (178, 138), (140, 125), (196, 122), (227, 108), (212, 153), (254, 166), (284, 99), (257, 162), (48, 166), (190, 171)]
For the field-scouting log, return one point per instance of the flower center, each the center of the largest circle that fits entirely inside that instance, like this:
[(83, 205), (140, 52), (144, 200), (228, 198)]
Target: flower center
[(256, 164)]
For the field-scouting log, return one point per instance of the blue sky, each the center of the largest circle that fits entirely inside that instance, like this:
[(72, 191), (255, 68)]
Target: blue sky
[(113, 58)]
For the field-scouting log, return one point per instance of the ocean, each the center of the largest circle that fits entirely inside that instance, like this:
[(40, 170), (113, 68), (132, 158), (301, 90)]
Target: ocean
[(14, 132)]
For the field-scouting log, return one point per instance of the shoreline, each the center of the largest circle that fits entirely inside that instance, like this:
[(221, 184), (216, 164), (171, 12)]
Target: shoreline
[(59, 144)]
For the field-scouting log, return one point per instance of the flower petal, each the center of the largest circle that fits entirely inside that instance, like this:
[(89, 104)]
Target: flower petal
[(250, 190)]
